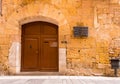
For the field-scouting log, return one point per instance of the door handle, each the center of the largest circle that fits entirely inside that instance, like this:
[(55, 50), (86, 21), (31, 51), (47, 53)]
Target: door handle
[(37, 52), (30, 46), (46, 42)]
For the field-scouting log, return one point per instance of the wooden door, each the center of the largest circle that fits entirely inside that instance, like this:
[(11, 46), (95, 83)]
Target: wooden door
[(39, 47), (49, 60), (30, 53)]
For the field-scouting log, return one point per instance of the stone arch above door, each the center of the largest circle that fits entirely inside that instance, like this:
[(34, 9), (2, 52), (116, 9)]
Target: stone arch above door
[(48, 14), (38, 18)]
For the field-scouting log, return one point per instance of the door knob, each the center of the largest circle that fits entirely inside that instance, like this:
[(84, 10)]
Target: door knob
[(30, 46), (37, 52), (46, 42)]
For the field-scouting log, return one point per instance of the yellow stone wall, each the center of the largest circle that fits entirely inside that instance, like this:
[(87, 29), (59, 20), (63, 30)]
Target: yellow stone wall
[(85, 56)]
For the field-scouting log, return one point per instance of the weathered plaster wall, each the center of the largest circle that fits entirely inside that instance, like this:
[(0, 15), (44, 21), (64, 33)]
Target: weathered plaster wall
[(85, 56)]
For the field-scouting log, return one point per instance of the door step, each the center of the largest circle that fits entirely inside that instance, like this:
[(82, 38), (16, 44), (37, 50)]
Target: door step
[(37, 73)]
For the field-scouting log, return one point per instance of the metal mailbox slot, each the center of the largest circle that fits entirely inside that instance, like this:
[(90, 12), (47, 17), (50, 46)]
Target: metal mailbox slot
[(115, 64)]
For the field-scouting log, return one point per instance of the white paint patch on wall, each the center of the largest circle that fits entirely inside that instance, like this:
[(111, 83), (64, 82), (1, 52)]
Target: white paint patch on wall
[(14, 55), (62, 60)]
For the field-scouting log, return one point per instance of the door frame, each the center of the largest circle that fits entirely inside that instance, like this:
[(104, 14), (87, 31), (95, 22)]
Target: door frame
[(22, 44), (15, 60)]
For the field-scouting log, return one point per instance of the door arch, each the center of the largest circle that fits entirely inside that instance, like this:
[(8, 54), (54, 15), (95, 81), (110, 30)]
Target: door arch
[(39, 47)]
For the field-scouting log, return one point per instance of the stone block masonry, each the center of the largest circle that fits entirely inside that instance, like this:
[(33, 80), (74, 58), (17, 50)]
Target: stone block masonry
[(82, 56)]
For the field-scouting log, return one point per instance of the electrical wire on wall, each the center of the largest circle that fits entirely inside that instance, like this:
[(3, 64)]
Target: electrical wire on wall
[(1, 7), (65, 42)]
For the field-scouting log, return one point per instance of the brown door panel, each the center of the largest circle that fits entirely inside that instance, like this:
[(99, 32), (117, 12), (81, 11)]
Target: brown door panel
[(39, 47), (32, 28), (48, 29), (31, 53), (49, 54)]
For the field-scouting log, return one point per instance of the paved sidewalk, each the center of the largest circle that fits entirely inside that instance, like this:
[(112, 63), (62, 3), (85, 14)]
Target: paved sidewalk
[(58, 80)]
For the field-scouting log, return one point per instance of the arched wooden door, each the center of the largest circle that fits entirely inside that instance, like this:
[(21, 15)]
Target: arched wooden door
[(39, 47)]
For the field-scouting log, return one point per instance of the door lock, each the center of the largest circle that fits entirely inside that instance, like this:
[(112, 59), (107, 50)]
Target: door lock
[(30, 46), (36, 52), (46, 42)]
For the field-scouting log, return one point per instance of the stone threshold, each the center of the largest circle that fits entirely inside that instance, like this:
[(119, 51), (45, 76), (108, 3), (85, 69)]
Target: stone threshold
[(60, 77), (38, 74)]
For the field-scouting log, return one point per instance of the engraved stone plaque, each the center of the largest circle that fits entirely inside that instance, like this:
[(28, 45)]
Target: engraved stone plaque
[(81, 31)]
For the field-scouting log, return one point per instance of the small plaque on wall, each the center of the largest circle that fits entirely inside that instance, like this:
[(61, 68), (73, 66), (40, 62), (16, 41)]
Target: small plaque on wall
[(80, 31)]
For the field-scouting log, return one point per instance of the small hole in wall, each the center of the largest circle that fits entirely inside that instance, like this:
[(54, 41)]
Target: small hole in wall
[(64, 42), (17, 12), (1, 15), (59, 13)]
